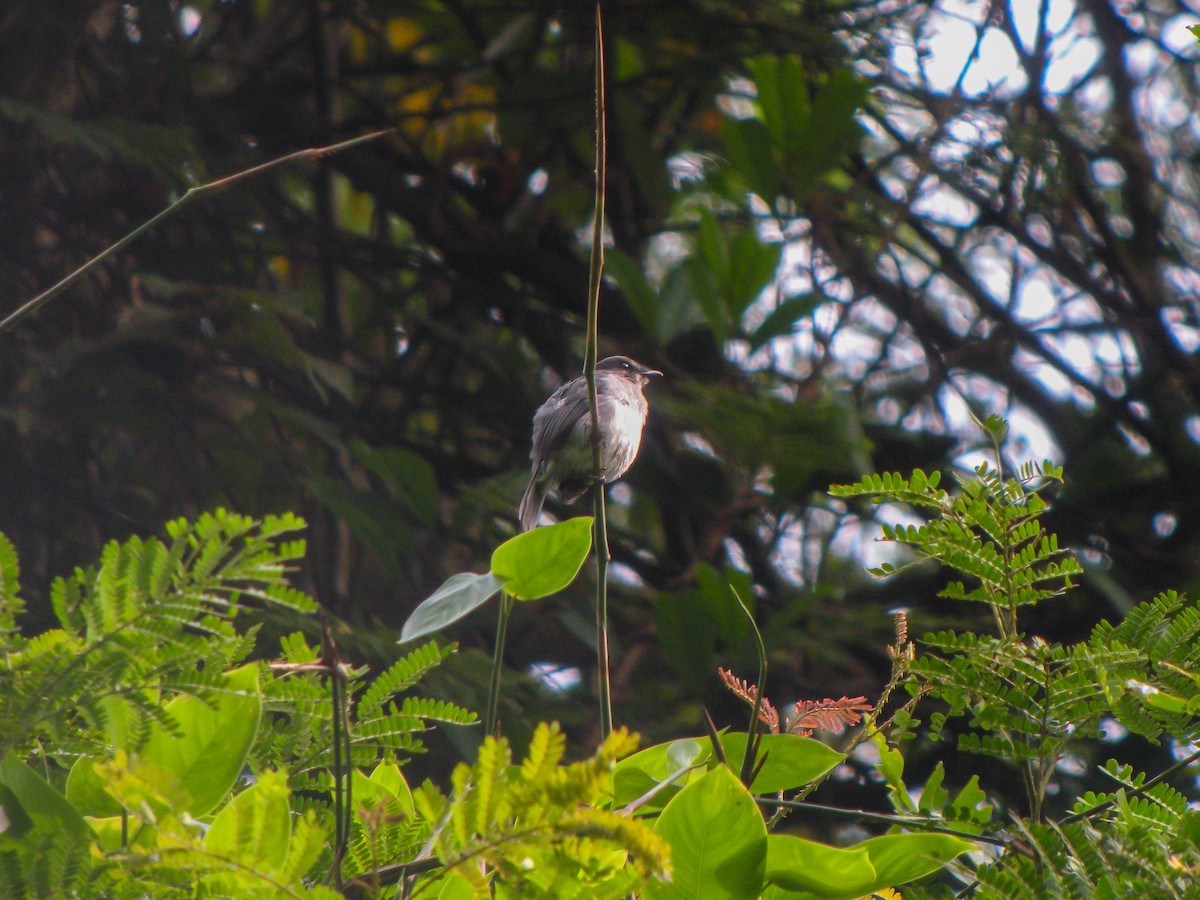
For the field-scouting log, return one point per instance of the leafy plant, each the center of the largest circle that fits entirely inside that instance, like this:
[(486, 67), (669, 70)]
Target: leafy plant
[(1025, 701), (138, 729)]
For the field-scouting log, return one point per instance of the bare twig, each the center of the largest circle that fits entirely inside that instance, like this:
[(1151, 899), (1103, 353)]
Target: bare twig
[(194, 193)]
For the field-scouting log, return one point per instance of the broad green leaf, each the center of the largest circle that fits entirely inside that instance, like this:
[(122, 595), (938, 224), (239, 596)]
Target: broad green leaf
[(255, 828), (207, 755), (718, 841), (545, 560), (86, 790), (388, 776), (711, 247), (901, 858), (844, 873), (792, 761), (637, 774), (27, 801), (458, 595), (455, 887), (831, 133), (783, 101), (385, 784)]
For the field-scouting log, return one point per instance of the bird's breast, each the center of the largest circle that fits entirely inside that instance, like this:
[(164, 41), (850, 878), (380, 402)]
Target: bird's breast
[(622, 435)]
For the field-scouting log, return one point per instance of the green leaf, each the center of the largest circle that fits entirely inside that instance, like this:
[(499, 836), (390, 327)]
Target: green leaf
[(207, 755), (458, 595), (545, 560), (637, 774), (718, 841), (792, 761), (386, 782), (27, 802), (783, 101), (802, 865), (748, 149), (901, 858), (254, 829), (839, 873), (87, 792), (753, 266)]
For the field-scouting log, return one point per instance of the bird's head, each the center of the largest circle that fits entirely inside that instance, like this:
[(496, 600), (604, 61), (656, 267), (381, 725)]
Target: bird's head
[(623, 365)]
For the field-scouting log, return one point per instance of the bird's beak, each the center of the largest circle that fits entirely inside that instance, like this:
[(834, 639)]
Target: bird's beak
[(646, 373)]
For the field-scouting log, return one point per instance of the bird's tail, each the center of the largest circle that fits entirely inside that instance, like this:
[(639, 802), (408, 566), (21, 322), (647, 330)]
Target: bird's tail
[(531, 503)]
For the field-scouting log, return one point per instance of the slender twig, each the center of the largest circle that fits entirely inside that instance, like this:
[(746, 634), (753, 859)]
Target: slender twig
[(641, 801), (916, 823), (493, 703), (600, 525), (192, 194)]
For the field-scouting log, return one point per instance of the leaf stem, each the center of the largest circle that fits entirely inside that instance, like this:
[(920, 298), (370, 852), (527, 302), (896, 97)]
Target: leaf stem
[(493, 703)]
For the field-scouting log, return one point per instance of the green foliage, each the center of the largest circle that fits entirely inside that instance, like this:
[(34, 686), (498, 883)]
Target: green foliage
[(138, 716), (529, 566), (540, 825), (153, 619), (1028, 702), (990, 532)]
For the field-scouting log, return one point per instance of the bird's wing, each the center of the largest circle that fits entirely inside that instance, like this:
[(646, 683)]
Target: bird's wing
[(556, 418)]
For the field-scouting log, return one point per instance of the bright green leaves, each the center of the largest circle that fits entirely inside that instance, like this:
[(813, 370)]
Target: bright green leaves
[(255, 828), (838, 873), (529, 566), (541, 824), (545, 560), (11, 604), (791, 761), (206, 750), (28, 802), (187, 766), (991, 532), (718, 841)]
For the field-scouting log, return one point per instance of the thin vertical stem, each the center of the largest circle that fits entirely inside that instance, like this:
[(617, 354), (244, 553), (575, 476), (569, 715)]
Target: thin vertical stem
[(493, 703), (600, 525)]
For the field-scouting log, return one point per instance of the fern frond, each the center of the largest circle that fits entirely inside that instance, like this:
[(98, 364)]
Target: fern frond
[(403, 674)]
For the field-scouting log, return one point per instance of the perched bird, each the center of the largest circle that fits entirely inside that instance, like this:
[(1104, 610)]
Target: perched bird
[(562, 442)]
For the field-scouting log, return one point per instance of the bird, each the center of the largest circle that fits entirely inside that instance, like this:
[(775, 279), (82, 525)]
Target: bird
[(562, 428)]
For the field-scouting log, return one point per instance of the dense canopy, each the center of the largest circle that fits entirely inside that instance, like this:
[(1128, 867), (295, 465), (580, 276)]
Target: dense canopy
[(837, 227)]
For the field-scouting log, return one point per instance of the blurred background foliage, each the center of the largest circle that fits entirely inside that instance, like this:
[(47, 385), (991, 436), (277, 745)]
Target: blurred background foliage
[(838, 226)]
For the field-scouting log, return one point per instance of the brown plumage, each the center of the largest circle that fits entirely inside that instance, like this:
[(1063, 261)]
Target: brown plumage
[(562, 448)]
